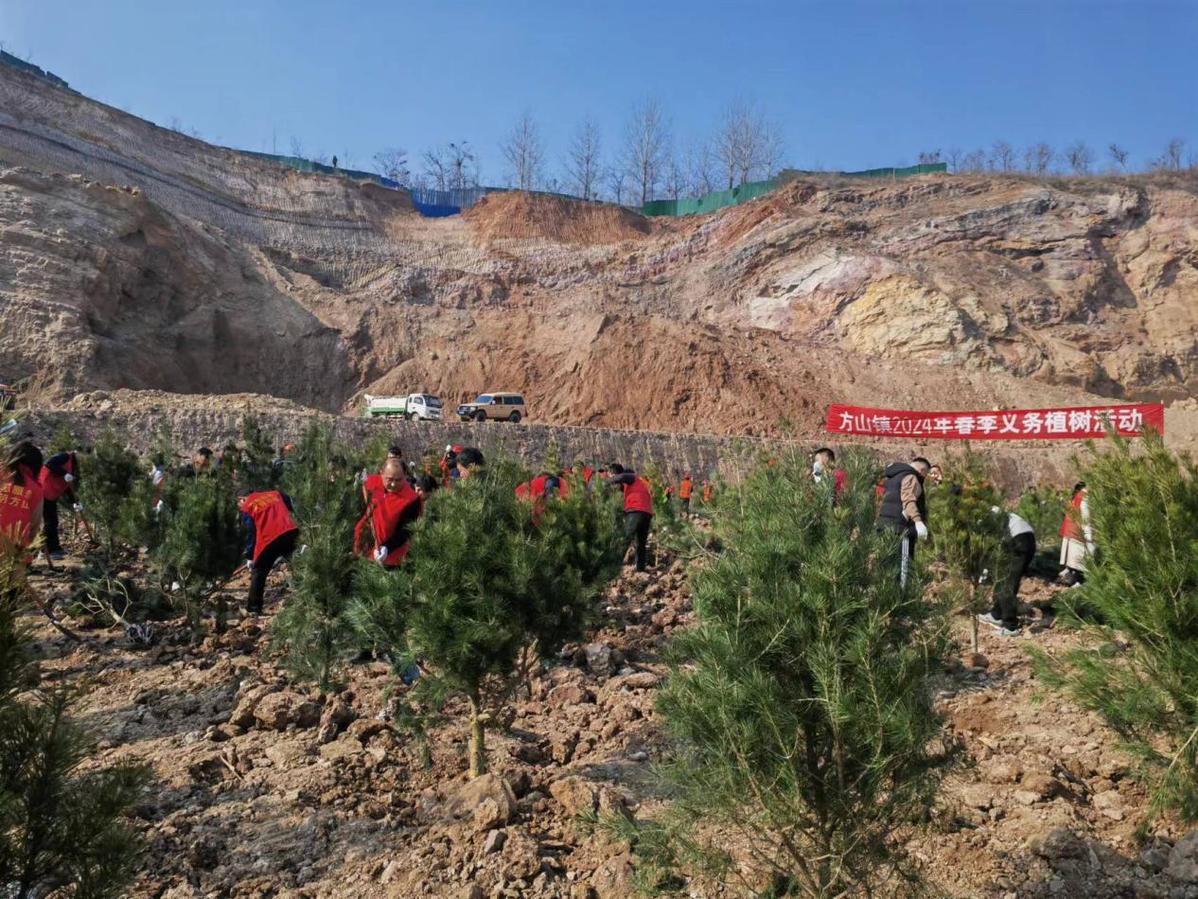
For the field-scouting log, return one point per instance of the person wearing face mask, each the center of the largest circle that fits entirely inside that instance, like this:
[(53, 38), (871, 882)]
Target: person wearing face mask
[(823, 466)]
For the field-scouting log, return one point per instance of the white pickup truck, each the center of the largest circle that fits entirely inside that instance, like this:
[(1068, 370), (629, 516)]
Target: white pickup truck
[(413, 407)]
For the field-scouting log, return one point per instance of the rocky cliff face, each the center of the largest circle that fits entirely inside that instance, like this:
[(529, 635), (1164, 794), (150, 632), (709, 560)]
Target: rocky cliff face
[(135, 257)]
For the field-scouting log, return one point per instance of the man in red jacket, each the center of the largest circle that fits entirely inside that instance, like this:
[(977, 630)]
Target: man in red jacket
[(392, 507), (58, 477), (271, 534), (638, 509)]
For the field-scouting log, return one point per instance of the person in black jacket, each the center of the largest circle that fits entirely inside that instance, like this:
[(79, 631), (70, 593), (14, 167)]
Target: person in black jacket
[(904, 509)]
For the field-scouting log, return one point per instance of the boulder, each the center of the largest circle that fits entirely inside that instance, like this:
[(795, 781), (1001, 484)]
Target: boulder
[(1183, 859), (247, 701), (337, 716), (277, 711), (599, 659), (487, 801), (1057, 843), (576, 796), (569, 694)]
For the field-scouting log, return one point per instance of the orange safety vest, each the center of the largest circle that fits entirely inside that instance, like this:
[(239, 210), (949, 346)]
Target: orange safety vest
[(685, 488), (1071, 527), (17, 504), (638, 497), (706, 492), (385, 512), (271, 517)]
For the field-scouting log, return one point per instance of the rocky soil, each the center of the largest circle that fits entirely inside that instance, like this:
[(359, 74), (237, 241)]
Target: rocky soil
[(136, 257), (264, 787)]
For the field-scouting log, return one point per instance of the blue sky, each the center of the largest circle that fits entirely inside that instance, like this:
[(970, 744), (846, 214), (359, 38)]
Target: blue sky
[(852, 84)]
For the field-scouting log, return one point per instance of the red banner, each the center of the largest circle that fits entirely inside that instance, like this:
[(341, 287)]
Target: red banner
[(1078, 423)]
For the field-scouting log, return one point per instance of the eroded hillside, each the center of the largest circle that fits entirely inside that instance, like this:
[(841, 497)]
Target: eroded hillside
[(135, 257)]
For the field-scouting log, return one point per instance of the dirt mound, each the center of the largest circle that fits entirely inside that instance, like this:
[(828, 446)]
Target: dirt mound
[(517, 215)]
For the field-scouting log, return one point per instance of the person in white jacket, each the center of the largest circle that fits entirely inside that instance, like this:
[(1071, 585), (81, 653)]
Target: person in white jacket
[(1077, 537)]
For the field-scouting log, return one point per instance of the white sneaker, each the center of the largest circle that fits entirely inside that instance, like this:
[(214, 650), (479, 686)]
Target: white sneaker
[(1007, 632), (987, 618)]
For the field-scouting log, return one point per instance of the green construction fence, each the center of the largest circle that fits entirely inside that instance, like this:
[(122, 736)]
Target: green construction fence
[(751, 190)]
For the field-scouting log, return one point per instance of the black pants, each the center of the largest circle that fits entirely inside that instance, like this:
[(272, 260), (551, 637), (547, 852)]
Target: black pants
[(279, 548), (50, 516), (636, 525), (686, 504), (1020, 552)]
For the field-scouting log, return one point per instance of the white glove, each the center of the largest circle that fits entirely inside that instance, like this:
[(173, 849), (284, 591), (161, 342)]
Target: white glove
[(249, 565), (380, 555), (78, 507), (68, 477), (159, 506), (921, 531)]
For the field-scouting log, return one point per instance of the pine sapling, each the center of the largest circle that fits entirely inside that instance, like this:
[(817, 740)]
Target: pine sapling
[(1139, 667), (313, 630), (112, 474), (800, 706), (969, 534), (201, 545)]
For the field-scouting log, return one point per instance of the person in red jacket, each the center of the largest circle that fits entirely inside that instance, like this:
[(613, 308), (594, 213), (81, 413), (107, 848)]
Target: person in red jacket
[(392, 507), (536, 490), (685, 489), (58, 477), (638, 509), (21, 498), (1077, 537), (271, 534)]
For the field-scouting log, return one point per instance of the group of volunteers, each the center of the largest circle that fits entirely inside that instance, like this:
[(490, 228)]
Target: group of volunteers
[(903, 511), (32, 487)]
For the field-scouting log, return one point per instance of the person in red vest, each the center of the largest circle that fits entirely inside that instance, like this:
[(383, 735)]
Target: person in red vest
[(536, 490), (707, 489), (685, 489), (638, 509), (58, 478), (271, 534), (392, 507), (823, 465), (21, 498), (1077, 537)]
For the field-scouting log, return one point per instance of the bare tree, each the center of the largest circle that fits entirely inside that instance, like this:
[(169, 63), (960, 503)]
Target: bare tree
[(1002, 156), (524, 153), (747, 144), (1170, 160), (954, 159), (974, 161), (584, 161), (1080, 157), (393, 163), (617, 182), (1037, 158), (1118, 157), (675, 178), (929, 157), (297, 147), (451, 166), (646, 146), (701, 170)]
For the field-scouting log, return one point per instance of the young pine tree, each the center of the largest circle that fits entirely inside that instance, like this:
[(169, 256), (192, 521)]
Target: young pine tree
[(482, 585), (201, 546), (62, 830), (112, 475), (1140, 669), (800, 705), (313, 630), (257, 455), (969, 534)]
